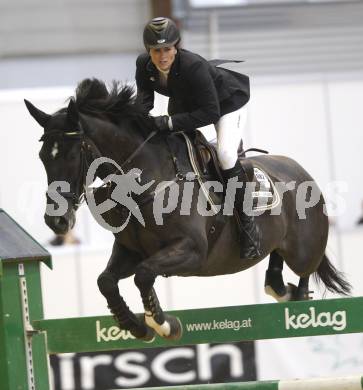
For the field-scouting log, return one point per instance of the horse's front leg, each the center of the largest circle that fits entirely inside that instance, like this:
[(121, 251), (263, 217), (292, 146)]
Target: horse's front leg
[(121, 265), (179, 258)]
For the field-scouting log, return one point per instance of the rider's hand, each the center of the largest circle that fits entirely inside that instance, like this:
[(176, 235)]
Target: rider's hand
[(162, 123)]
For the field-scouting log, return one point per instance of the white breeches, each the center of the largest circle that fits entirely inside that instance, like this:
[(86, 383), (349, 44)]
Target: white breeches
[(229, 130)]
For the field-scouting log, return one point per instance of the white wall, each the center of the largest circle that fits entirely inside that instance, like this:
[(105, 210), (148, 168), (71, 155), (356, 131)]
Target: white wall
[(40, 27), (23, 179), (319, 125)]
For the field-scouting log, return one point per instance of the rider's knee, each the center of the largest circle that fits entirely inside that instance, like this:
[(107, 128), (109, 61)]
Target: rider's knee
[(226, 157)]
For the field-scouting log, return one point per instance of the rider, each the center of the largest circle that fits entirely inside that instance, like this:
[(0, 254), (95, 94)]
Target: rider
[(199, 94)]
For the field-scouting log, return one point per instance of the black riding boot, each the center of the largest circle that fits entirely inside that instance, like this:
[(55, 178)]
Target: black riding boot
[(250, 235)]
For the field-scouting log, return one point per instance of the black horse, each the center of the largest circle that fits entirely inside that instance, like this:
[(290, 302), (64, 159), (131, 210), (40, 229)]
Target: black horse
[(98, 122)]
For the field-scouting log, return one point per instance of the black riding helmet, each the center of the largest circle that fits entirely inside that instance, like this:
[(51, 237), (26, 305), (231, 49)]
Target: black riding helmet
[(160, 32)]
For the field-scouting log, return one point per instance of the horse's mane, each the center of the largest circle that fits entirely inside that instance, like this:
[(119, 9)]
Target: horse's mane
[(116, 104)]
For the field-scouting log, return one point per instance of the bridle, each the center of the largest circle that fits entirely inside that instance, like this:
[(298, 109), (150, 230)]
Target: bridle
[(88, 152), (76, 197)]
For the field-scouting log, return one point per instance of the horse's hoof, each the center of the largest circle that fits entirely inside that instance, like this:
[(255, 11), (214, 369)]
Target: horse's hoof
[(149, 336), (285, 297), (170, 329), (143, 332), (274, 280), (300, 294), (176, 328)]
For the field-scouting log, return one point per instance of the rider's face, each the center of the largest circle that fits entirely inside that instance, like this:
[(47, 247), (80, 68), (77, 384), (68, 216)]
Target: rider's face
[(163, 57)]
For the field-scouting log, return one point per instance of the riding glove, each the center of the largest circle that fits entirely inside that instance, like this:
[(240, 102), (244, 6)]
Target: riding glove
[(163, 123)]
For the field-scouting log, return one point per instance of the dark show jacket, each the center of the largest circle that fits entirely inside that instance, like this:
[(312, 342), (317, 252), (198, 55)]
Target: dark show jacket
[(200, 93)]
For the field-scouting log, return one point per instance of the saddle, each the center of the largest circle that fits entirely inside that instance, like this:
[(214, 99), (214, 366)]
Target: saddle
[(202, 156), (206, 154)]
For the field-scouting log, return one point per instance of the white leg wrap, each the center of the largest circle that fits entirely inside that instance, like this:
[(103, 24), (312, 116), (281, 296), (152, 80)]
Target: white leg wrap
[(284, 298), (229, 134), (162, 330)]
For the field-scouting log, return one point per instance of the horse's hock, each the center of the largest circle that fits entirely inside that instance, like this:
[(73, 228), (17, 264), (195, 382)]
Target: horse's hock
[(26, 339)]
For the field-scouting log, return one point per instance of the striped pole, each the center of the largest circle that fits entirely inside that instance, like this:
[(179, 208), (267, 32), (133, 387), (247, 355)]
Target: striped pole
[(340, 383)]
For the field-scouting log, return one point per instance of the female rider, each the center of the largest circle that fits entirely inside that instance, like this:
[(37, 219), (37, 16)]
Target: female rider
[(199, 94)]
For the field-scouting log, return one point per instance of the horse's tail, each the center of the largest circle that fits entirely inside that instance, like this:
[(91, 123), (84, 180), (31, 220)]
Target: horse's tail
[(333, 279)]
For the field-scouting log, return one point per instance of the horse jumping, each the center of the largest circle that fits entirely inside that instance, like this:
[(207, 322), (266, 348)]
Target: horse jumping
[(101, 123)]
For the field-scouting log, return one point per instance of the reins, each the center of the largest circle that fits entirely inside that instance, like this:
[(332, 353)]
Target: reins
[(138, 149)]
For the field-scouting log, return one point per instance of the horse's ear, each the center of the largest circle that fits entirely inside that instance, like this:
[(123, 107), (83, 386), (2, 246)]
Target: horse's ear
[(41, 117), (72, 113)]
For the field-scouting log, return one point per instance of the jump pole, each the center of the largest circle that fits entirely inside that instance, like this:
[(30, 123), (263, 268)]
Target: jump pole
[(212, 325), (341, 383), (26, 339)]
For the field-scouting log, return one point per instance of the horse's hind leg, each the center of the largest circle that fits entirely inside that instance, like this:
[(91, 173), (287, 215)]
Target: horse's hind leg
[(274, 282), (301, 292)]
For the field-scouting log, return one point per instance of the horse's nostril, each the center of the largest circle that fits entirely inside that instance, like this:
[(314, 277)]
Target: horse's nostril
[(62, 222), (59, 224)]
